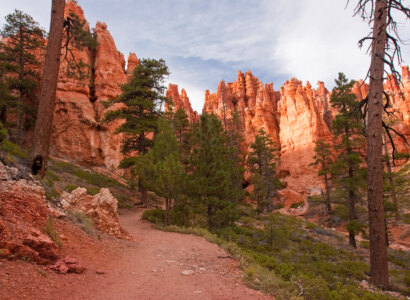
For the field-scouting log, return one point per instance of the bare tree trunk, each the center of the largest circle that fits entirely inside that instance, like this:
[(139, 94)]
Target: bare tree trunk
[(378, 253), (327, 197), (44, 122), (143, 192), (391, 182)]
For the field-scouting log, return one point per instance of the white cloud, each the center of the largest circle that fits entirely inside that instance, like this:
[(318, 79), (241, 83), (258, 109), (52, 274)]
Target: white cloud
[(311, 39)]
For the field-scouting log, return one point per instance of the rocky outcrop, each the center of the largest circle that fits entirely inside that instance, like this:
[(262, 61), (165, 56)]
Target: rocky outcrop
[(294, 118), (79, 135), (181, 101), (23, 215), (256, 103), (101, 208)]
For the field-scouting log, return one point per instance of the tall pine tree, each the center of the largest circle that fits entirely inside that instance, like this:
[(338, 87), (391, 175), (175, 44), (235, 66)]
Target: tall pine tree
[(210, 174), (349, 173), (323, 158), (160, 169), (23, 37), (141, 101), (261, 164)]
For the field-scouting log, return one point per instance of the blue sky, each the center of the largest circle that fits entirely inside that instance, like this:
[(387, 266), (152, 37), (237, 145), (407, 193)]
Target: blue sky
[(205, 41)]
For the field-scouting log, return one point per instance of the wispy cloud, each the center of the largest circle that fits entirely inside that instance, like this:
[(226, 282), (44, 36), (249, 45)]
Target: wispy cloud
[(204, 42)]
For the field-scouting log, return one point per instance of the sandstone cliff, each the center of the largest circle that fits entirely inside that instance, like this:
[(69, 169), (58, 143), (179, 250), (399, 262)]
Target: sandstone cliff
[(295, 118), (181, 101), (79, 134)]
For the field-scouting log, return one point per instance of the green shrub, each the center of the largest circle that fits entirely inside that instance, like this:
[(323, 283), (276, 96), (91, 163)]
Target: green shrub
[(13, 149), (297, 204), (92, 191), (70, 187), (51, 232), (3, 132), (155, 216), (86, 223)]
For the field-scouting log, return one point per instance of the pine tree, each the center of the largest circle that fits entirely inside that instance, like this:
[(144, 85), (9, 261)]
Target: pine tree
[(210, 173), (261, 164), (160, 169), (347, 128), (323, 158), (235, 156), (183, 135), (5, 96), (141, 101), (23, 36)]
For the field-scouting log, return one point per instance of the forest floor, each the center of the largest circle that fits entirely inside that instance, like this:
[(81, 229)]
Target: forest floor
[(158, 265)]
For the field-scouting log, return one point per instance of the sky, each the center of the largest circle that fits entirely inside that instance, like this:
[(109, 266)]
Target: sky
[(206, 41)]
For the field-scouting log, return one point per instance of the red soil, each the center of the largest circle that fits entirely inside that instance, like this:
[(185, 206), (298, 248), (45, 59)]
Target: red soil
[(159, 265)]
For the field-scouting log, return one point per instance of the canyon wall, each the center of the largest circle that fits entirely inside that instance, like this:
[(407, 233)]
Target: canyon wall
[(295, 116)]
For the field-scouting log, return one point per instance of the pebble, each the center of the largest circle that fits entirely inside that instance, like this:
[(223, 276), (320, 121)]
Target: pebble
[(187, 272)]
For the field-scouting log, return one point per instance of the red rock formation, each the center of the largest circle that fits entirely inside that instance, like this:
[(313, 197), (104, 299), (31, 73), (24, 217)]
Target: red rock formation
[(181, 101), (79, 134), (133, 61), (256, 103), (23, 215)]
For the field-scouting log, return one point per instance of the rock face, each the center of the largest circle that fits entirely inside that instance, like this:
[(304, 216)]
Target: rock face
[(181, 101), (23, 215), (295, 118), (79, 134), (101, 208)]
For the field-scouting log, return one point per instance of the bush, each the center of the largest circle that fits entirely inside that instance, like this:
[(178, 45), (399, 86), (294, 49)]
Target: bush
[(70, 187), (51, 232), (86, 223), (155, 216)]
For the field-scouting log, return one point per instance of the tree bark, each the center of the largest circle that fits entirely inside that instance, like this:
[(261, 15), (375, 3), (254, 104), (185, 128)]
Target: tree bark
[(391, 182), (377, 233), (44, 122)]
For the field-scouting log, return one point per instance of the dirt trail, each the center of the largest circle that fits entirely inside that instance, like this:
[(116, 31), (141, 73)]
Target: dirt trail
[(160, 265)]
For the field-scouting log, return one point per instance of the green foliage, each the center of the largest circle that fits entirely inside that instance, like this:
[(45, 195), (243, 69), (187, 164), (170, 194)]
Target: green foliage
[(155, 216), (70, 187), (51, 232), (348, 174), (13, 149), (19, 64), (261, 163), (210, 174), (142, 99), (3, 132), (160, 170), (85, 222), (90, 177), (183, 134)]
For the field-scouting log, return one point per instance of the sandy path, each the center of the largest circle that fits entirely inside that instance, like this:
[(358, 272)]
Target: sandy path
[(160, 265)]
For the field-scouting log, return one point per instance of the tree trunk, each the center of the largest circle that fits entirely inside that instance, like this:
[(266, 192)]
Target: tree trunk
[(167, 205), (44, 122), (391, 182), (378, 253), (143, 192), (327, 197)]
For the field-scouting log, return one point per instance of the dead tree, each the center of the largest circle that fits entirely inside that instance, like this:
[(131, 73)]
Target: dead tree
[(385, 50)]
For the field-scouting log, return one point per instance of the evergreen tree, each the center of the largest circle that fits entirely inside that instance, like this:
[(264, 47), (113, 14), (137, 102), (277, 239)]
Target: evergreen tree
[(160, 170), (347, 128), (323, 158), (23, 36), (261, 164), (235, 156), (210, 173), (141, 101), (183, 135), (5, 95)]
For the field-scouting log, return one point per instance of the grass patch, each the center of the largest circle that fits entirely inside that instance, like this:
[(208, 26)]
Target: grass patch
[(85, 222), (90, 177), (51, 232)]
